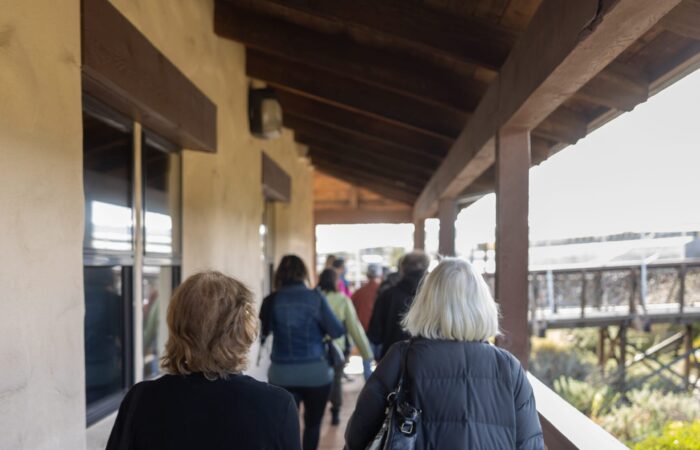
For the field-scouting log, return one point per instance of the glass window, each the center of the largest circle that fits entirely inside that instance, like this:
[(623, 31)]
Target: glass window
[(107, 172), (106, 344), (158, 282), (162, 175)]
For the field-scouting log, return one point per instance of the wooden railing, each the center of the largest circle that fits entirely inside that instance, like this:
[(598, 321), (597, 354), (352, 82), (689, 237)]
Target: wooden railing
[(565, 427)]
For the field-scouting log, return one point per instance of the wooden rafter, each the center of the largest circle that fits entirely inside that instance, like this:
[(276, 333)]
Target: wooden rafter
[(354, 165), (379, 159), (351, 94), (361, 180), (402, 24), (341, 55), (344, 119), (359, 140), (572, 41)]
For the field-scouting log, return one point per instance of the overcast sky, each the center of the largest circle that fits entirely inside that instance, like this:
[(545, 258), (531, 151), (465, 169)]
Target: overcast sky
[(640, 172)]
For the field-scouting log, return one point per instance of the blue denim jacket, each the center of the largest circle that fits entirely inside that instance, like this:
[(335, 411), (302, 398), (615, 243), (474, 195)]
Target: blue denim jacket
[(299, 318)]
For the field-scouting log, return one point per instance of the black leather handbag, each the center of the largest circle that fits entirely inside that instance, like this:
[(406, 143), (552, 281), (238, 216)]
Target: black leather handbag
[(400, 427)]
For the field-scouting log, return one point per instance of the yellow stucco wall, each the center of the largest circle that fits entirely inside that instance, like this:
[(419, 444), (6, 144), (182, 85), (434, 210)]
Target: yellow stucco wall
[(222, 193), (41, 198), (41, 222)]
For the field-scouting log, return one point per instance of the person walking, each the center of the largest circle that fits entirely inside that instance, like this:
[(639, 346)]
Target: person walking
[(345, 312), (363, 299), (384, 325), (299, 319), (340, 269), (470, 394), (205, 401)]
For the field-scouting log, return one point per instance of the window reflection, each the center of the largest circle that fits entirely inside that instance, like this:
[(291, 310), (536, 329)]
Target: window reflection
[(104, 332), (157, 289), (161, 200), (107, 175)]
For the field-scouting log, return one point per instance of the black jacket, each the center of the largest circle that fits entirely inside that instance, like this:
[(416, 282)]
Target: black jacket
[(390, 307), (190, 412), (472, 395)]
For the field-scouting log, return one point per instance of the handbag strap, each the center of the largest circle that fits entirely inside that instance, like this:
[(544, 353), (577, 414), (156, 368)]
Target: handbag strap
[(404, 383)]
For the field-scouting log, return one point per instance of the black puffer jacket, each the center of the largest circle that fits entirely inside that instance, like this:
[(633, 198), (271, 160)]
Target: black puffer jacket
[(472, 395), (385, 324)]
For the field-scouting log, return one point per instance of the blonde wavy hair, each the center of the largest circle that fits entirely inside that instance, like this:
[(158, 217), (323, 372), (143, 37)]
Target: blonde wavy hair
[(453, 302), (212, 324)]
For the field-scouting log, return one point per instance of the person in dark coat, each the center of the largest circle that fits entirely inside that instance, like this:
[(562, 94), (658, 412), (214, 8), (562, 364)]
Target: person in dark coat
[(205, 401), (471, 394), (385, 324)]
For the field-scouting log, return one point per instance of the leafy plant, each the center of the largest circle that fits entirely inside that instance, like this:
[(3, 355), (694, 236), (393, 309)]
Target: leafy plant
[(676, 435)]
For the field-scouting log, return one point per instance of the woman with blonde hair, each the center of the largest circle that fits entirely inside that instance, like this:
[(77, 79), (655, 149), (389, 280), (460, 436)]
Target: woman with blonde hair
[(463, 392), (205, 401)]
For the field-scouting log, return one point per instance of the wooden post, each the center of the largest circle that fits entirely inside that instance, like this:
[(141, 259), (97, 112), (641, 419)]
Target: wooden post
[(512, 182), (419, 234), (583, 294), (622, 336), (447, 213), (602, 337), (681, 294)]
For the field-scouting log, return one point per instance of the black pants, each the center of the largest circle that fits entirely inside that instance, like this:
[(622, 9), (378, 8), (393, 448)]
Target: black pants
[(314, 400)]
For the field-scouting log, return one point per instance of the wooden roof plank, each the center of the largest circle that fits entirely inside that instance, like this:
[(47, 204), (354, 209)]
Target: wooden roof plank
[(405, 25), (684, 20), (618, 86), (377, 158), (344, 119), (572, 41), (389, 70), (359, 140), (382, 189), (356, 96)]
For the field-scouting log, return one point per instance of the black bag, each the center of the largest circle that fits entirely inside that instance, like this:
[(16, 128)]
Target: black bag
[(400, 427), (334, 355)]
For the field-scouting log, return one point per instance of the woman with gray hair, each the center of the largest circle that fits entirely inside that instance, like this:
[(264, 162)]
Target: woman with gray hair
[(469, 393)]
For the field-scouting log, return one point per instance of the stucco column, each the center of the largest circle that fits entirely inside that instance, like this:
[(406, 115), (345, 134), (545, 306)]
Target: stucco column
[(512, 182), (447, 212), (419, 234)]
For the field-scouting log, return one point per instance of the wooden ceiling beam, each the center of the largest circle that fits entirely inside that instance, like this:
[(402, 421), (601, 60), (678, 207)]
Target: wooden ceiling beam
[(618, 86), (380, 188), (343, 56), (379, 159), (684, 19), (356, 96), (358, 140), (354, 164), (563, 125), (344, 119), (405, 25), (567, 43)]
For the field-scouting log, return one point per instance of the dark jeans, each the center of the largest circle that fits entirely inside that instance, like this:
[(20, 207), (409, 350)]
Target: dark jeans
[(314, 400), (337, 389)]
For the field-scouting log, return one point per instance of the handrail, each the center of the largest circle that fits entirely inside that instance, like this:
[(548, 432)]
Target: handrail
[(565, 427)]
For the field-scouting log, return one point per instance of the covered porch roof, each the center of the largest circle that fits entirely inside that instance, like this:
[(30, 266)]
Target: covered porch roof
[(404, 98)]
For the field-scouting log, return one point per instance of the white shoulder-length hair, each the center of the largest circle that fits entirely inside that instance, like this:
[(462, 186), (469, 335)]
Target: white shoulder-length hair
[(454, 303)]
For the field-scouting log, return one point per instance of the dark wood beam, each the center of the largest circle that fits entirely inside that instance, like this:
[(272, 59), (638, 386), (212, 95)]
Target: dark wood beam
[(343, 56), (355, 164), (361, 215), (379, 159), (407, 174), (618, 86), (381, 188), (358, 140), (563, 125), (356, 96), (400, 24), (566, 45), (684, 19), (344, 119), (123, 69)]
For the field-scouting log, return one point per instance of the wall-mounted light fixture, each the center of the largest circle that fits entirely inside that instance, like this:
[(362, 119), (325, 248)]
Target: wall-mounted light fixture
[(264, 113)]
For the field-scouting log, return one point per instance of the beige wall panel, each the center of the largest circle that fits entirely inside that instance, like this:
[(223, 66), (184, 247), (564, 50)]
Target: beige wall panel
[(41, 222), (223, 201)]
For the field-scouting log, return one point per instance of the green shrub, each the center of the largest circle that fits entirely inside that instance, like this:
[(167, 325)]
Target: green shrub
[(551, 359), (647, 412), (676, 435)]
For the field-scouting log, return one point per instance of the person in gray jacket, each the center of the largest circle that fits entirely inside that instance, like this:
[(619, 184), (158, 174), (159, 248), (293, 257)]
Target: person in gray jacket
[(471, 394)]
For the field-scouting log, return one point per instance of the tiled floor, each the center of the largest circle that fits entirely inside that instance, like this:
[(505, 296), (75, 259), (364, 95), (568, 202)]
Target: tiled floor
[(332, 437)]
